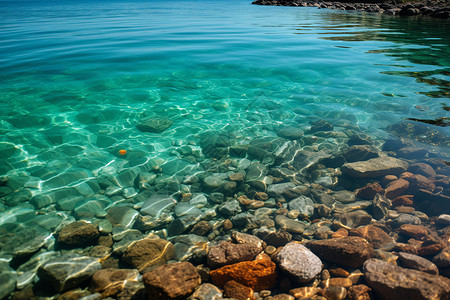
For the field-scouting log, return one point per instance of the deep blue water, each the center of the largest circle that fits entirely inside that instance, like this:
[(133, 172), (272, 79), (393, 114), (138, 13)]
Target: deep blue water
[(77, 76)]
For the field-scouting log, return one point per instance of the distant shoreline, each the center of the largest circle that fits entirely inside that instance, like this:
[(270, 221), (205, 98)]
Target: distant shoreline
[(430, 8)]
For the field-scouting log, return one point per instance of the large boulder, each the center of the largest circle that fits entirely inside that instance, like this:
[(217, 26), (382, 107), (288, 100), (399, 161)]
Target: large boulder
[(393, 282), (350, 251), (375, 167)]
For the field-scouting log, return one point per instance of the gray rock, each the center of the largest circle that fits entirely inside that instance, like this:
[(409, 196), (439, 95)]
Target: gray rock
[(291, 133), (21, 239), (255, 171), (206, 291), (89, 208), (125, 178), (199, 200), (214, 181), (443, 219), (405, 219), (290, 225), (299, 262), (184, 209), (392, 282), (304, 204), (344, 196), (216, 197), (17, 214), (122, 215), (157, 204), (276, 190), (178, 167), (155, 125), (67, 271), (360, 153), (68, 177), (8, 280), (27, 271), (229, 208), (242, 220), (182, 224), (412, 261), (380, 206), (375, 167), (190, 247)]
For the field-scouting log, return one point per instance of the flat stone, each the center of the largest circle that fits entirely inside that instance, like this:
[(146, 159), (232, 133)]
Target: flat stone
[(146, 254), (22, 239), (235, 290), (190, 247), (155, 125), (227, 253), (112, 278), (348, 251), (78, 233), (171, 281), (392, 282), (299, 262), (259, 274), (276, 190), (396, 188), (375, 167), (422, 169), (291, 133), (27, 271), (416, 262), (157, 204), (405, 219), (277, 238), (360, 153), (67, 271), (355, 218), (229, 208)]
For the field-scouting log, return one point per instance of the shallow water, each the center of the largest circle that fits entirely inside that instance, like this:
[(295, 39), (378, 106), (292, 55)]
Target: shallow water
[(77, 76)]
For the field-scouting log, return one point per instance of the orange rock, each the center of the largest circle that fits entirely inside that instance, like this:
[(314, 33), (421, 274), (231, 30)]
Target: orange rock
[(415, 231), (407, 200), (339, 272), (396, 188), (258, 274), (341, 232)]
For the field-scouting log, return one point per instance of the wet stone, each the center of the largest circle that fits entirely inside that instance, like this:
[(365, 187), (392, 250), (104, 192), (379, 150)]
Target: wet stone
[(8, 279), (67, 271), (111, 278), (171, 281), (122, 215), (27, 271), (146, 254), (216, 197), (416, 262), (157, 204), (375, 167), (405, 219), (355, 218), (199, 200), (360, 153), (190, 247), (290, 133), (206, 291), (299, 262), (277, 238), (78, 233), (335, 293), (22, 239), (422, 169), (227, 253), (291, 226), (392, 282), (374, 235), (348, 251), (359, 292), (229, 208), (344, 196), (304, 204), (154, 125)]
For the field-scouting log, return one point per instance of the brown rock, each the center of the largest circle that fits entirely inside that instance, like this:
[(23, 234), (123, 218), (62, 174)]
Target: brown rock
[(430, 249), (359, 292), (259, 274), (396, 188), (148, 253), (422, 169), (420, 182), (78, 233), (351, 251), (227, 253), (374, 235), (416, 262), (369, 191), (227, 225), (201, 228), (403, 200), (278, 238), (388, 178), (392, 282), (415, 231), (404, 209), (171, 281), (338, 281), (236, 177), (261, 196), (238, 291), (341, 232), (335, 292), (339, 272)]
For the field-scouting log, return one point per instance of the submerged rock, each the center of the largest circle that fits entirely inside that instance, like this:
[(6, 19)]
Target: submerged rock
[(148, 253), (392, 282), (299, 262), (171, 281), (155, 125), (78, 234), (227, 253), (348, 251), (375, 167)]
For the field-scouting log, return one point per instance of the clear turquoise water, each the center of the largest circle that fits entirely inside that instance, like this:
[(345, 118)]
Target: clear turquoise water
[(76, 76)]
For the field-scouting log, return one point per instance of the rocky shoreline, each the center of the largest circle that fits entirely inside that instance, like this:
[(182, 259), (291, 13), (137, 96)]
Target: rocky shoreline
[(430, 8)]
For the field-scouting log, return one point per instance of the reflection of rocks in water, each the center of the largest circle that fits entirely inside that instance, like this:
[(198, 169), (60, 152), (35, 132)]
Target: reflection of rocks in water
[(420, 132)]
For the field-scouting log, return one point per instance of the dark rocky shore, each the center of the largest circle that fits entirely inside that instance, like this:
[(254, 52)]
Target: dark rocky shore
[(431, 8)]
